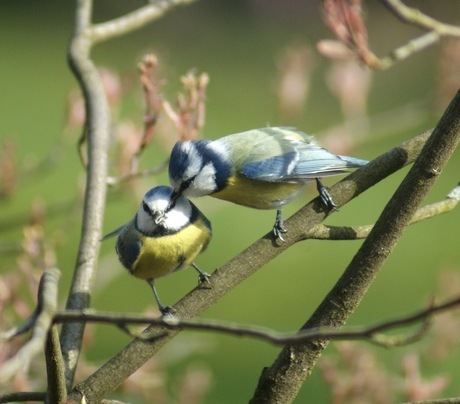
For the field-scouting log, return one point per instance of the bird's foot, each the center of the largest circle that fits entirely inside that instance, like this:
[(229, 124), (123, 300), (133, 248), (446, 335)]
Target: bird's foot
[(278, 227), (324, 195), (167, 310)]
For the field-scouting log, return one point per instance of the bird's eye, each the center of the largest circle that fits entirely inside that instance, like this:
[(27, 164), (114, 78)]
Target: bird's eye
[(145, 207), (185, 184)]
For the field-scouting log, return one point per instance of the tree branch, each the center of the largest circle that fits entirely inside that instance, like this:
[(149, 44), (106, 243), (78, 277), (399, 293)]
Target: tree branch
[(20, 397), (324, 232), (39, 322), (55, 369), (98, 129), (282, 381), (372, 334), (416, 17), (224, 279), (85, 36), (345, 19), (134, 20), (453, 400)]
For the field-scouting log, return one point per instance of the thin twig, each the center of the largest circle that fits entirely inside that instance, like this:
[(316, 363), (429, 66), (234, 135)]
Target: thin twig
[(416, 17), (134, 20), (137, 174), (373, 334), (325, 232), (345, 19), (22, 397), (453, 400)]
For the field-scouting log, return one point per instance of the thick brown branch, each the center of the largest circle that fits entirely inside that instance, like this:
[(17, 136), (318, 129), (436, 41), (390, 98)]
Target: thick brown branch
[(282, 381), (133, 356)]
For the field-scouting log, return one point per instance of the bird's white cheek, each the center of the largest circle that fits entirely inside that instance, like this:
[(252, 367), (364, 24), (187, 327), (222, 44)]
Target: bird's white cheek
[(204, 183), (176, 220)]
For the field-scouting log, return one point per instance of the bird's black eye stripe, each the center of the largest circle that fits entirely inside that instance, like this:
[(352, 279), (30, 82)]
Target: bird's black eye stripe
[(146, 208), (185, 184)]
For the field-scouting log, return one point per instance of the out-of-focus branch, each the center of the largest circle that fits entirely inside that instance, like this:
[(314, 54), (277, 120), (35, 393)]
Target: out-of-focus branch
[(344, 18), (453, 400), (39, 322), (85, 36), (224, 279), (323, 232), (191, 107), (153, 104), (134, 20), (22, 397), (282, 381), (138, 174), (416, 17)]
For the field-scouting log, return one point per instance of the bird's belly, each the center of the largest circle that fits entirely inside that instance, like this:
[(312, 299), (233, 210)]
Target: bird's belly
[(259, 194), (163, 255)]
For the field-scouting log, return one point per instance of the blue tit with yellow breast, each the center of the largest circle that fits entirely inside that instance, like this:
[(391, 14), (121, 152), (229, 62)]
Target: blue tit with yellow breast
[(260, 168), (156, 242)]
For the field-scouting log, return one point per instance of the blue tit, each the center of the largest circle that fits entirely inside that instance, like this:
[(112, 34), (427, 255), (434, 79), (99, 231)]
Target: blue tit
[(260, 168), (156, 243)]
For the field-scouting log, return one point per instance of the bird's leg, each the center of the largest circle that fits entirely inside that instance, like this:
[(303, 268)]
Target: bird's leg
[(165, 310), (278, 227), (324, 194), (203, 277)]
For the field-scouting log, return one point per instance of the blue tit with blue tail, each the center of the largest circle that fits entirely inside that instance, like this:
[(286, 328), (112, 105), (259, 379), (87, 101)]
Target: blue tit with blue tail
[(260, 168), (157, 242)]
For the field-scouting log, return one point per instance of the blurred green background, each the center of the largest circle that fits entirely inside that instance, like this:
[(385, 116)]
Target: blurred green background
[(240, 45)]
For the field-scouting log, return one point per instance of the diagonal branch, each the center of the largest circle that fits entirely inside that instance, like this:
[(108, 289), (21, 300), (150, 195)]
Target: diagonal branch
[(282, 381), (224, 279)]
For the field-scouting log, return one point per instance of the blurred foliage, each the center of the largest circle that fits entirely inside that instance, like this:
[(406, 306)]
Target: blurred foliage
[(246, 48)]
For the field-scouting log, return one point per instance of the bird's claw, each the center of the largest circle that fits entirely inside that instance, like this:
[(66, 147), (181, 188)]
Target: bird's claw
[(167, 311), (204, 278), (324, 195), (278, 227)]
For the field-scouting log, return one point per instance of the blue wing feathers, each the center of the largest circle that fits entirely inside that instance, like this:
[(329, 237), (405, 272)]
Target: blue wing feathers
[(273, 168), (307, 162)]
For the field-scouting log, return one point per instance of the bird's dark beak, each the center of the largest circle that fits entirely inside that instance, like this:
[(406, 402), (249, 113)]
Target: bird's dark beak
[(174, 196)]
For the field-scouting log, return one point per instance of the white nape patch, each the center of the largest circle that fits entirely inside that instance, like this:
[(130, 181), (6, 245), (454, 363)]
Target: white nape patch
[(195, 160), (218, 147)]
